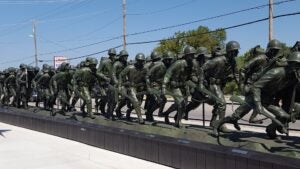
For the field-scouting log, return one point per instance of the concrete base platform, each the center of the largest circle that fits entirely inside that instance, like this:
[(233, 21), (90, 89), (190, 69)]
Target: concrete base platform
[(26, 149), (175, 152)]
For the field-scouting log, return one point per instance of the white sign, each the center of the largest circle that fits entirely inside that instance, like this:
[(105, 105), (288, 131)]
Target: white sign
[(58, 60)]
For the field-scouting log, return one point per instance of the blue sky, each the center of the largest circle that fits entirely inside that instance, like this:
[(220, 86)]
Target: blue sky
[(63, 24)]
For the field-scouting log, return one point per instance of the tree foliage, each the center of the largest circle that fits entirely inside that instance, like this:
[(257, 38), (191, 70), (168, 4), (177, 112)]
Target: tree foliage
[(201, 36)]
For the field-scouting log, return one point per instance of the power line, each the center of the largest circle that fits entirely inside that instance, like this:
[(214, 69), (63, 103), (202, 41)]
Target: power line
[(52, 42), (93, 31), (163, 10), (17, 60), (35, 2), (217, 30), (23, 24), (71, 17), (83, 56), (26, 22), (133, 43), (168, 27), (209, 18), (79, 47)]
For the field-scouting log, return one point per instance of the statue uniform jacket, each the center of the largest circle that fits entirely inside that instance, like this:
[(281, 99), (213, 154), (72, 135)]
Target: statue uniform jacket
[(44, 81), (10, 81), (21, 77), (271, 83), (61, 80), (116, 70), (133, 77), (253, 67), (155, 74), (215, 69), (178, 73), (105, 69), (84, 77)]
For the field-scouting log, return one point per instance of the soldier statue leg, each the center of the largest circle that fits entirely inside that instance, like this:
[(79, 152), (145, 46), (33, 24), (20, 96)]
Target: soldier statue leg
[(196, 101), (282, 116), (219, 108), (14, 96), (112, 101), (253, 118), (24, 96), (171, 109), (152, 106), (163, 101), (136, 103), (86, 97), (180, 104), (239, 113), (120, 105)]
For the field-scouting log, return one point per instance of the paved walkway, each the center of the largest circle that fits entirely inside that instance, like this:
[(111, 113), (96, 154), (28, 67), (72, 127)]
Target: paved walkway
[(26, 149)]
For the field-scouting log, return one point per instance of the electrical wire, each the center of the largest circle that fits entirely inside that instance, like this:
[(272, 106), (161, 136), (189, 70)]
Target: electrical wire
[(163, 10), (172, 26), (217, 30), (153, 41)]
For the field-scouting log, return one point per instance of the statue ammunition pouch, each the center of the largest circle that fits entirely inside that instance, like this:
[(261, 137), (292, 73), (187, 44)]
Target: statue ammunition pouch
[(214, 81), (156, 84), (174, 84), (132, 84)]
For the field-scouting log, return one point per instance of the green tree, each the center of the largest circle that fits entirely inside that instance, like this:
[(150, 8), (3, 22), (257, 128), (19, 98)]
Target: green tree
[(201, 36)]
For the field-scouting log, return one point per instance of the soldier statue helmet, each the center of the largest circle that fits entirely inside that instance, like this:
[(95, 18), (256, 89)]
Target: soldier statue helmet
[(232, 45), (139, 60), (123, 55), (112, 52), (155, 56), (296, 47), (201, 51), (64, 66), (273, 47), (46, 68), (168, 55), (23, 66), (294, 60), (91, 62), (140, 57), (189, 50), (168, 58), (148, 59), (232, 49), (30, 68), (189, 54)]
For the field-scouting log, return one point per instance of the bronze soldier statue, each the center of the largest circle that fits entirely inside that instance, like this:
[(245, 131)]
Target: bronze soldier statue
[(132, 82)]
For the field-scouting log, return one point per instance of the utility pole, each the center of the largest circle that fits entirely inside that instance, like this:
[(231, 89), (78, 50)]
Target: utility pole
[(35, 45), (124, 24), (270, 20)]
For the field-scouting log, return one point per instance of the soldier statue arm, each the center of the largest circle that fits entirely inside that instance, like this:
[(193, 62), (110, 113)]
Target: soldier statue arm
[(7, 80), (122, 76), (40, 79), (150, 72), (173, 69), (255, 89), (100, 73), (114, 73)]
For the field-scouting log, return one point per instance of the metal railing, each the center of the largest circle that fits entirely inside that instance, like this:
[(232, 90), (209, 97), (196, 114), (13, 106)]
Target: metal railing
[(204, 118)]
